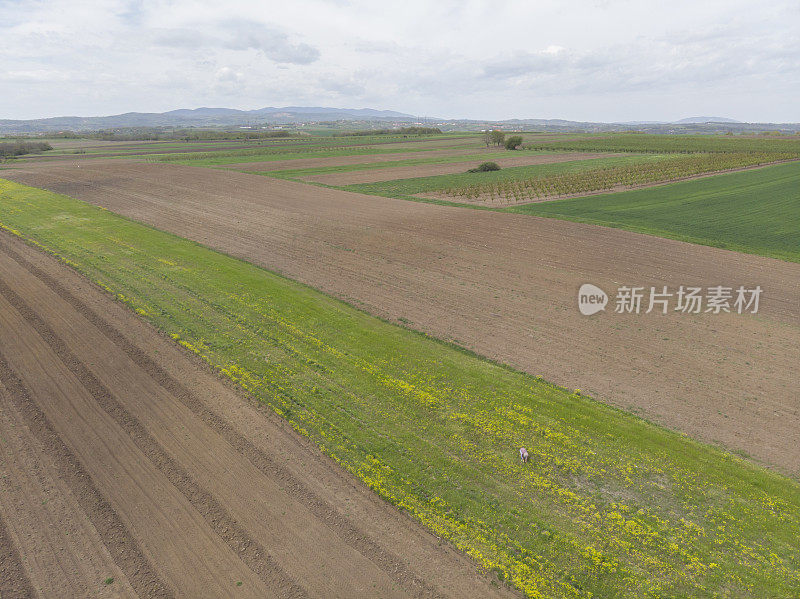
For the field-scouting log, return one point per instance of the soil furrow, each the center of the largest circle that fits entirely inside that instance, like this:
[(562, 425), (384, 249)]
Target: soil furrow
[(236, 537), (116, 537), (14, 581)]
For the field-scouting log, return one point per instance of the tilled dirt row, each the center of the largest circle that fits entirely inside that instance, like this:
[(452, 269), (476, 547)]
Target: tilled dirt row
[(128, 470), (47, 498), (505, 285)]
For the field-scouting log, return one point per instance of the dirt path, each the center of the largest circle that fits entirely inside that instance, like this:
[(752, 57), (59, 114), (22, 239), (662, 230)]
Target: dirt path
[(504, 285), (123, 458), (429, 170)]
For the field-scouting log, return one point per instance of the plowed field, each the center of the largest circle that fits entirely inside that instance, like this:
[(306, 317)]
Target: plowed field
[(128, 470), (504, 285)]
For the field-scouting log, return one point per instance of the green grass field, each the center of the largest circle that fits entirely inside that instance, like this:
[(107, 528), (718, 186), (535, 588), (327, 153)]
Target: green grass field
[(610, 506), (756, 211)]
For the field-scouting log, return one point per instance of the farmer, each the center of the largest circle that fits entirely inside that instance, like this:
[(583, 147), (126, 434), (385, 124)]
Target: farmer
[(523, 455)]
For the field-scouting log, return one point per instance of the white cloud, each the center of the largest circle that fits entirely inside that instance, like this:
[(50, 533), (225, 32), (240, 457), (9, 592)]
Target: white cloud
[(246, 35), (586, 60), (238, 35), (227, 74)]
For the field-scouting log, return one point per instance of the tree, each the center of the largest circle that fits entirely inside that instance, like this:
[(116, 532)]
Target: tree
[(513, 142), (497, 137)]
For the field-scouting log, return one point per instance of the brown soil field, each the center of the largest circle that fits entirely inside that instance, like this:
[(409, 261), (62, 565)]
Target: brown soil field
[(123, 457), (505, 286), (430, 170)]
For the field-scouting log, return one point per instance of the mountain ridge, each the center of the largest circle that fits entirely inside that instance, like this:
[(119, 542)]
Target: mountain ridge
[(200, 117), (706, 119)]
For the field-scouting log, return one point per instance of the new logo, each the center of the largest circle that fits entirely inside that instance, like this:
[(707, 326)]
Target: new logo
[(591, 299)]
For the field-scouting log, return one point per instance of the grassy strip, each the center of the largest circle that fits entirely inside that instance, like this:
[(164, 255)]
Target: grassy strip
[(756, 211), (407, 188), (610, 506)]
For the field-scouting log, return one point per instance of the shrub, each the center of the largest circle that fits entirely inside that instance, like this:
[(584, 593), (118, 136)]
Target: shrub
[(513, 142), (485, 167)]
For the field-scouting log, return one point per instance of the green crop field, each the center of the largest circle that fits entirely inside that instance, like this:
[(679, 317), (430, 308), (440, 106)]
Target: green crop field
[(756, 211), (609, 506), (626, 142)]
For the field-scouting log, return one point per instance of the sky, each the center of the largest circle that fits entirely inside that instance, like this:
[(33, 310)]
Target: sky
[(586, 60)]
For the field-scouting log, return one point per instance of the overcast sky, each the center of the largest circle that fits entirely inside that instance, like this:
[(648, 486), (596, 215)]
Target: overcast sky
[(601, 60)]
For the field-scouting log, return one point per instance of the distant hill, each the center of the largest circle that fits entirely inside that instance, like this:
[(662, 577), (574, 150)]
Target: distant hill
[(201, 117), (358, 113), (291, 111), (705, 119), (293, 115)]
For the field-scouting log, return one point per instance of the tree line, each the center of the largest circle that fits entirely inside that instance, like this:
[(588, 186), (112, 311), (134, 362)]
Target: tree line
[(20, 148)]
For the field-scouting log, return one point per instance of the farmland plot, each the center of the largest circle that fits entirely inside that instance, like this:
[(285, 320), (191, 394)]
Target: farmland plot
[(603, 179), (756, 211), (428, 170), (129, 470), (609, 506), (503, 285)]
